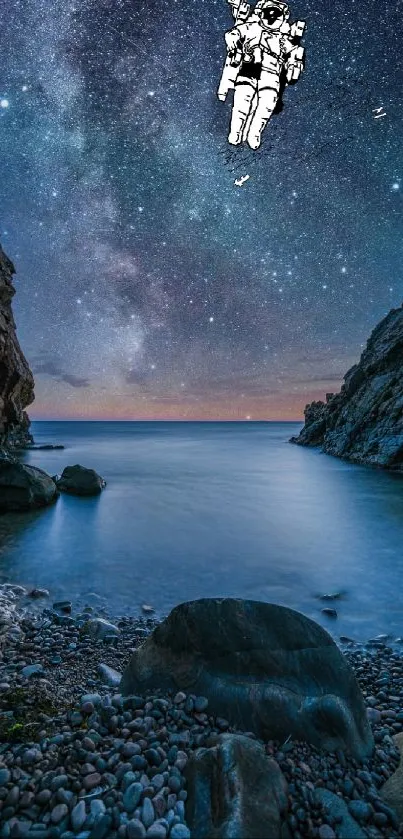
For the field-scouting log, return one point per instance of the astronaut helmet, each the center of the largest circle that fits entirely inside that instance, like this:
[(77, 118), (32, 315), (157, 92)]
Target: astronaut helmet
[(272, 13)]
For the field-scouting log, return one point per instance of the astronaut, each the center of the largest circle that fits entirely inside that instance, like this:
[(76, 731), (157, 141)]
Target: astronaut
[(263, 57)]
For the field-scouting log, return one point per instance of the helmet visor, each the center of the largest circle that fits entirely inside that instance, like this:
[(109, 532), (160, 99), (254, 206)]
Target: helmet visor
[(272, 13)]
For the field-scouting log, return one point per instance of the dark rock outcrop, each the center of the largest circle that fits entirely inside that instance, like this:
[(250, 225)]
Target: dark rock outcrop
[(234, 789), (265, 668), (16, 379), (78, 480), (24, 487), (364, 422)]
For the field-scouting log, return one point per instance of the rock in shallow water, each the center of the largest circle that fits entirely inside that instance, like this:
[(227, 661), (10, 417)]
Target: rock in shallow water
[(24, 487), (265, 668), (78, 480), (234, 789)]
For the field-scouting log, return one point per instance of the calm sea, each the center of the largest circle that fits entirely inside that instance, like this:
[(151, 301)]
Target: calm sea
[(213, 509)]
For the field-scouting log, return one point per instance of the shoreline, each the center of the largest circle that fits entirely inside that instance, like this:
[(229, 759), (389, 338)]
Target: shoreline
[(71, 747)]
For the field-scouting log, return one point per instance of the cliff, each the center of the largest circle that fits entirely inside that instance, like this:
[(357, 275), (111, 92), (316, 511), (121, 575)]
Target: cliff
[(16, 379), (364, 422)]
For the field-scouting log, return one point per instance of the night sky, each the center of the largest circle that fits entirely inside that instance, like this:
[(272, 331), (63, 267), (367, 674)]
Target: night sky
[(148, 284)]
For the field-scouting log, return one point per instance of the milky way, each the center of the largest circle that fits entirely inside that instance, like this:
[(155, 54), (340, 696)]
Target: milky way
[(149, 285)]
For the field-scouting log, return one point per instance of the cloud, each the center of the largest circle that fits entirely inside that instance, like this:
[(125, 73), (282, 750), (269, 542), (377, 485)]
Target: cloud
[(50, 368)]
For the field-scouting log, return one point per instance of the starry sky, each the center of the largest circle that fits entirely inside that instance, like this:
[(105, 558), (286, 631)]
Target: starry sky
[(149, 285)]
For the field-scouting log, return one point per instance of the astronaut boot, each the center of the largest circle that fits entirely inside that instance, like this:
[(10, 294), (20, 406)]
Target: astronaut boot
[(243, 97), (267, 100)]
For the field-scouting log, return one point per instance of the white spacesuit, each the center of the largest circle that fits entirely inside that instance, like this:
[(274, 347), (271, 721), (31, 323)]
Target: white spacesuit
[(263, 56)]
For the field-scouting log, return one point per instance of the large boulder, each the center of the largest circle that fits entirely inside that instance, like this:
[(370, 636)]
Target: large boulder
[(265, 668), (364, 422), (78, 480), (234, 790), (24, 487)]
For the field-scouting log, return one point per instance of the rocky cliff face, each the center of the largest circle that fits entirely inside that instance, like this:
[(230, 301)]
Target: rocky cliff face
[(16, 379), (364, 422)]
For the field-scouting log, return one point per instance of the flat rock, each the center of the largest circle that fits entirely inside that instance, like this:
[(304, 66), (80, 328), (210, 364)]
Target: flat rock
[(78, 480), (392, 790), (264, 668), (24, 487), (234, 789)]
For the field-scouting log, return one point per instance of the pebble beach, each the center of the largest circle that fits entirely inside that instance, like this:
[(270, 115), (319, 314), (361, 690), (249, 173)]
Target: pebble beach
[(79, 760)]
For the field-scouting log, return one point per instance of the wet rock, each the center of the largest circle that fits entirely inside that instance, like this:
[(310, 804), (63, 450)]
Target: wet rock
[(234, 784), (36, 593), (78, 480), (302, 685), (24, 487)]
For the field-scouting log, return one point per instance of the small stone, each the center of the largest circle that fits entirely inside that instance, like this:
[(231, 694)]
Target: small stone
[(179, 697), (91, 781), (109, 676), (101, 827), (326, 832), (31, 756), (373, 715), (200, 704), (135, 829), (360, 810), (147, 812), (157, 831), (32, 670), (78, 816), (97, 807), (63, 606), (94, 698), (132, 796), (58, 813), (4, 776), (131, 749), (43, 797), (179, 831)]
